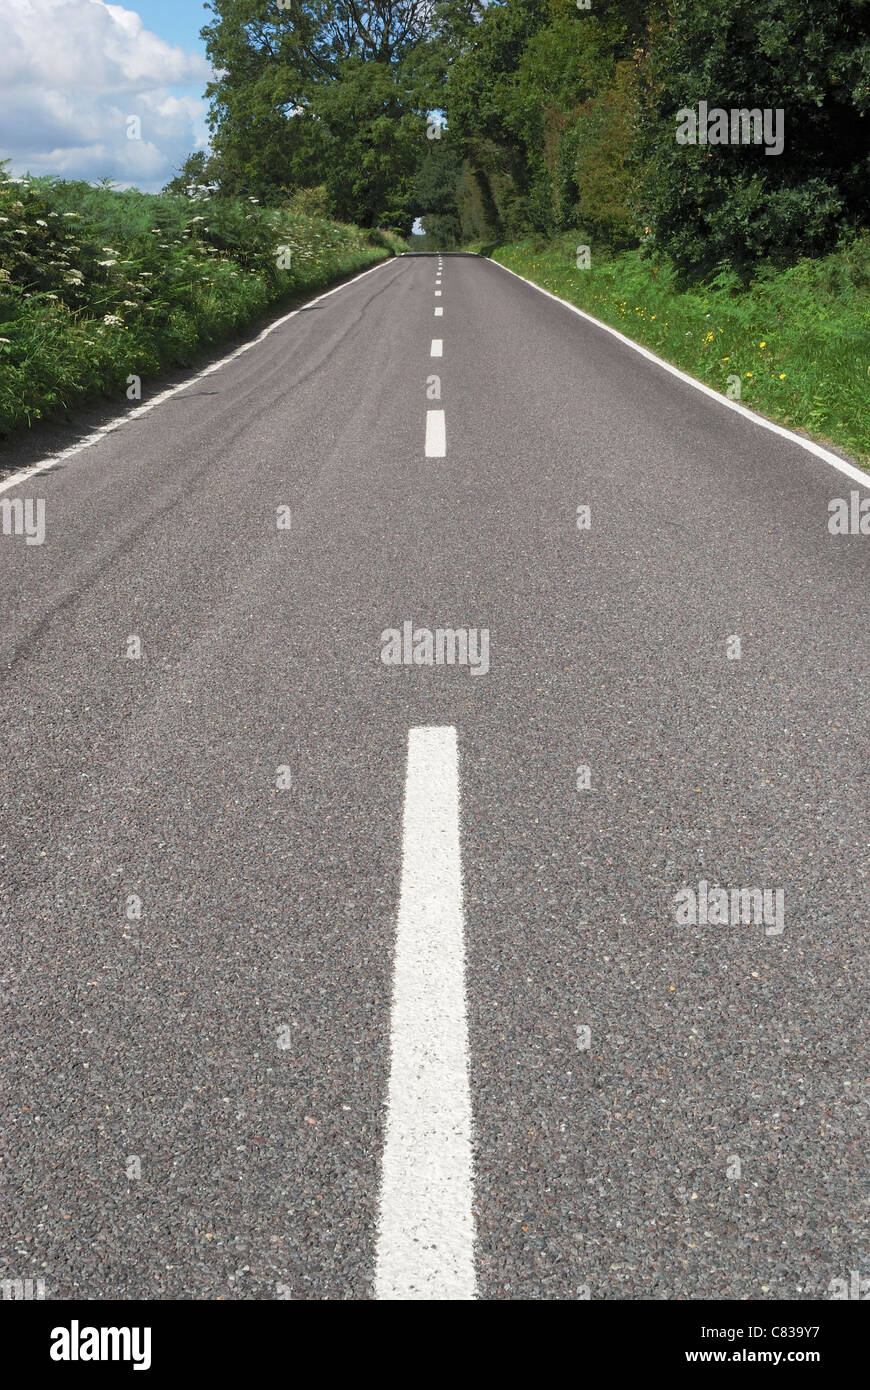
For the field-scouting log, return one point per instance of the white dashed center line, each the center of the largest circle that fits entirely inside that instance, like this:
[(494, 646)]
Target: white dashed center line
[(436, 435), (438, 311), (437, 347), (426, 1228)]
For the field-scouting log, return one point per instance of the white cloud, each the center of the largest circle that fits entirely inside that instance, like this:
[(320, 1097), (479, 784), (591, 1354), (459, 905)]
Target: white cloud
[(71, 74)]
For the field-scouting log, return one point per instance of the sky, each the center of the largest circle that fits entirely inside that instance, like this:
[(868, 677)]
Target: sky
[(74, 74)]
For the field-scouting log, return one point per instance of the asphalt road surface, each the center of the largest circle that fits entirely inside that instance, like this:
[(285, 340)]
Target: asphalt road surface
[(333, 973)]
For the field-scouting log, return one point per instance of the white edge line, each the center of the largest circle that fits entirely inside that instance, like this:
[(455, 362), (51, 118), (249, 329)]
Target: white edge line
[(24, 473), (851, 471)]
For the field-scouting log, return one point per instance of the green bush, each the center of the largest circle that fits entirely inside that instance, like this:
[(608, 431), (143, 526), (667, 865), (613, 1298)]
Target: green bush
[(735, 204)]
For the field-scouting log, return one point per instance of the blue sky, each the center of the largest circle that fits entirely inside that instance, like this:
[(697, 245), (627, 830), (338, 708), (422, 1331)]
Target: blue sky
[(177, 21), (90, 89)]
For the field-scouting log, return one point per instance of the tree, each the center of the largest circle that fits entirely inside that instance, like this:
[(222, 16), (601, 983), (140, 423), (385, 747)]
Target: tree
[(196, 173), (733, 204), (314, 93)]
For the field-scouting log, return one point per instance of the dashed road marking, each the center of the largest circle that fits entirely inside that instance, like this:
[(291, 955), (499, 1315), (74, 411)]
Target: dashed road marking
[(436, 434), (425, 1247)]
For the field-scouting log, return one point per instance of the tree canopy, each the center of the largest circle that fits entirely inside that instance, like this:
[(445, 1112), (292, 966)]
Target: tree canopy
[(555, 115)]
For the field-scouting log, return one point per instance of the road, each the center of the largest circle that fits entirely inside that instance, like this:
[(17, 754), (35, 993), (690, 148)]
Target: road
[(406, 1010)]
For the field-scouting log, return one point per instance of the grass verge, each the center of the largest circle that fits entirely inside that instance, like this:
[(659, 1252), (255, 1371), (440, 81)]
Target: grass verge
[(796, 342)]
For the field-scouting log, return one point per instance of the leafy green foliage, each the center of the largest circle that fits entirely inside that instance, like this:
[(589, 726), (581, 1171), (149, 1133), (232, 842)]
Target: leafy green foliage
[(568, 118), (321, 92), (711, 205), (97, 284)]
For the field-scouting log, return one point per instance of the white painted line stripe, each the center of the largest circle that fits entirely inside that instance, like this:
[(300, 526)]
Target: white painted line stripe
[(437, 294), (437, 347), (436, 435), (438, 312), (858, 475), (49, 462), (425, 1244)]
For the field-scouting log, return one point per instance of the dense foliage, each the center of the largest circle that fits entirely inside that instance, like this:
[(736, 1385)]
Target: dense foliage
[(559, 114), (98, 285)]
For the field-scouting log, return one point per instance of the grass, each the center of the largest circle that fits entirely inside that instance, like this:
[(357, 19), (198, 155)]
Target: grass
[(796, 340), (98, 286)]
